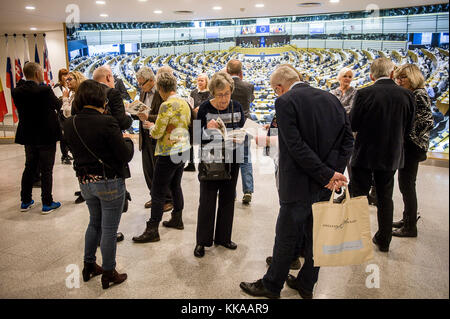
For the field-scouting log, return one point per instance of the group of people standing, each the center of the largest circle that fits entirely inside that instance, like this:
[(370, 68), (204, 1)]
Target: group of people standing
[(314, 143), (391, 121)]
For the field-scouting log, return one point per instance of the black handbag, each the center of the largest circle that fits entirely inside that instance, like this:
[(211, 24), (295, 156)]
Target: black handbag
[(214, 170)]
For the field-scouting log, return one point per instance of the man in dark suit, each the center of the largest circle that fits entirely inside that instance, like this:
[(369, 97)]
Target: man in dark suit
[(382, 117), (315, 143), (38, 131), (115, 105), (149, 96), (243, 93)]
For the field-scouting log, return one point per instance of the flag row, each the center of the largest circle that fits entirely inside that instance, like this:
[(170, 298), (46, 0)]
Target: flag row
[(14, 73)]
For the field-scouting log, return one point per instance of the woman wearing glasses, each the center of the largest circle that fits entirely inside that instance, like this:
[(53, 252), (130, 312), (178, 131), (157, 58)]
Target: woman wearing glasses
[(230, 112), (73, 81), (410, 77)]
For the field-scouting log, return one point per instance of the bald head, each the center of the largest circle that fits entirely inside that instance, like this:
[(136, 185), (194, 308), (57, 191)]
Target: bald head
[(104, 75), (234, 67)]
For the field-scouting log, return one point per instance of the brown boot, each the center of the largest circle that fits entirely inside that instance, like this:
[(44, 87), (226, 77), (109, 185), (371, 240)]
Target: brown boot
[(91, 270), (112, 276)]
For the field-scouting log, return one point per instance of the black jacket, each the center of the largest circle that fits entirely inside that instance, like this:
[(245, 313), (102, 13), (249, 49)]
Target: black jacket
[(116, 108), (101, 133), (144, 135), (315, 140), (382, 117), (243, 93), (37, 108)]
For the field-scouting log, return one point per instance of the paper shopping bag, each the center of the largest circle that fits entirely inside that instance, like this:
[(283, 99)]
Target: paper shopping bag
[(341, 232)]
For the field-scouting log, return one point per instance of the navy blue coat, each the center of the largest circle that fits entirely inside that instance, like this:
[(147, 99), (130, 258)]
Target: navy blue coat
[(315, 140)]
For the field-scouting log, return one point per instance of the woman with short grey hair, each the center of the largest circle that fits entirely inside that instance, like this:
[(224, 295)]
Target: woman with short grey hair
[(345, 92), (232, 115), (171, 132)]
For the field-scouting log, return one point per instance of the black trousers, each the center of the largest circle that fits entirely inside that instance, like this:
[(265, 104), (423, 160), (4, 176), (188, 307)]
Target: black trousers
[(407, 183), (384, 183), (225, 212), (62, 143), (42, 158), (167, 179), (148, 165), (294, 229)]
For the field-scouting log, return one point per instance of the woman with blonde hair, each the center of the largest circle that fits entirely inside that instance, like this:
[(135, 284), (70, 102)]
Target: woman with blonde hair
[(198, 95), (410, 77), (345, 92), (73, 80)]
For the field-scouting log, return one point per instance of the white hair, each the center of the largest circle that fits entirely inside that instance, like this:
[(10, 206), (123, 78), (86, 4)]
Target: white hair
[(381, 67), (343, 72), (284, 75), (146, 73)]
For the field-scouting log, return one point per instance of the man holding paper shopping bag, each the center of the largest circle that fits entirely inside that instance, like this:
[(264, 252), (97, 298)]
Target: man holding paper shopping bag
[(315, 142)]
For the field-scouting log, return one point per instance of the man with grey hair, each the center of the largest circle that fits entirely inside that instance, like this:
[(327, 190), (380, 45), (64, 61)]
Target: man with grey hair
[(382, 117), (150, 97), (315, 142)]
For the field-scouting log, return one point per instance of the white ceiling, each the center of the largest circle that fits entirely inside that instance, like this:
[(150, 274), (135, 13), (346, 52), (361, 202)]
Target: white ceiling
[(50, 14)]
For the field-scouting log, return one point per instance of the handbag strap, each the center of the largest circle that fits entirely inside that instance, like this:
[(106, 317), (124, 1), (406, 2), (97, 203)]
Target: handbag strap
[(89, 150)]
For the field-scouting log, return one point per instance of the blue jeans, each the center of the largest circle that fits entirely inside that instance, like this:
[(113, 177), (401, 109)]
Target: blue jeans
[(105, 200), (294, 229), (247, 168)]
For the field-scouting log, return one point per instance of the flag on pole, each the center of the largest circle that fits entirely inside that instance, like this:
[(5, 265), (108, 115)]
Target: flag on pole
[(36, 53), (18, 66), (3, 107), (48, 77), (10, 82), (26, 55)]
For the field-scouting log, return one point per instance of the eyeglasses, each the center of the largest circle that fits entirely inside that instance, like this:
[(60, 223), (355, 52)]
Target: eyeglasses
[(402, 77), (221, 96), (142, 84)]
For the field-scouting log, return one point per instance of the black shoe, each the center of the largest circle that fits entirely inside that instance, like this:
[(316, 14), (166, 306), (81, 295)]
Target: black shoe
[(125, 205), (381, 248), (66, 161), (120, 237), (229, 245), (199, 251), (340, 199), (398, 224), (257, 289), (175, 222), (291, 281), (190, 167), (150, 234), (79, 199), (372, 197), (295, 265), (404, 232)]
